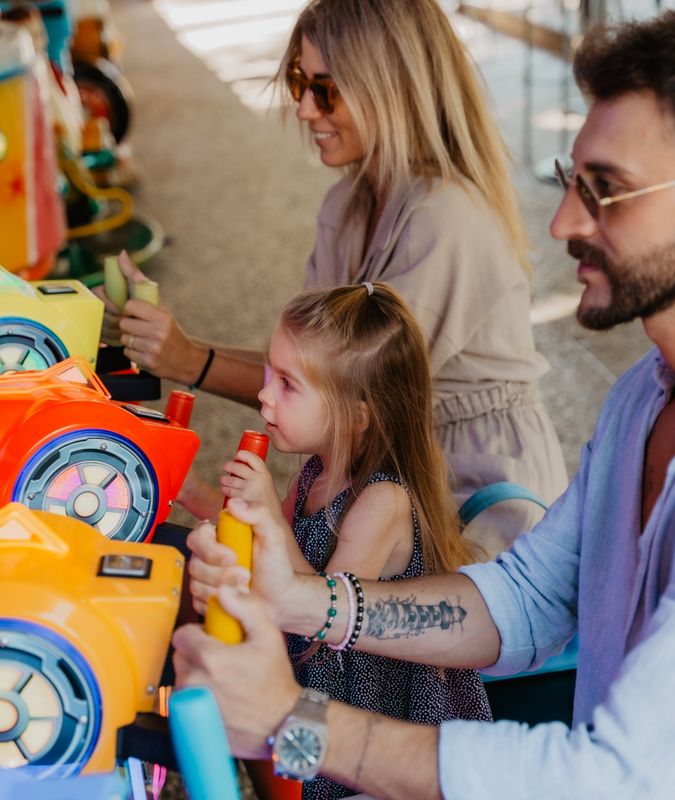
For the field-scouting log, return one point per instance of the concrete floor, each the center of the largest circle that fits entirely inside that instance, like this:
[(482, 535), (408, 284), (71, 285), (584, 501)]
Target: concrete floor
[(238, 193)]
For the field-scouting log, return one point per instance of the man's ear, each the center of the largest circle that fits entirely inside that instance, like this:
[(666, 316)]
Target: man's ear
[(363, 416)]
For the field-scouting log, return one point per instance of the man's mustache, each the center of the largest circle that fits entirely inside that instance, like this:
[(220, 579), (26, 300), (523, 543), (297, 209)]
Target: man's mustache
[(589, 255)]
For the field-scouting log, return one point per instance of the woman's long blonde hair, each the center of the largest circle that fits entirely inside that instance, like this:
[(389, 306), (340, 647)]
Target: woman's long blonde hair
[(415, 99), (356, 349)]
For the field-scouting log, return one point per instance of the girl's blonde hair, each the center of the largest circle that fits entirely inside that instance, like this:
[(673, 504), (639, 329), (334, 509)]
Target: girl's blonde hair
[(357, 349), (415, 99)]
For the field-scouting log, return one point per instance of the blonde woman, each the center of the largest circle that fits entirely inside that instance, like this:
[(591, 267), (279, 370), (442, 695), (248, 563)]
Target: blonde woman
[(388, 95)]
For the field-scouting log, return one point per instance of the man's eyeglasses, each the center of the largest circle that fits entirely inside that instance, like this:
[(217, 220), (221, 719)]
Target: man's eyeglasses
[(324, 90), (591, 200)]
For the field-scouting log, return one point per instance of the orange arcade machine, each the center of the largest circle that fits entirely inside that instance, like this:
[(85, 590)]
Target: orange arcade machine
[(65, 447)]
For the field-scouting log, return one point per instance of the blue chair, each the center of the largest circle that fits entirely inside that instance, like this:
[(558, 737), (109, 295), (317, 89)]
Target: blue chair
[(545, 694)]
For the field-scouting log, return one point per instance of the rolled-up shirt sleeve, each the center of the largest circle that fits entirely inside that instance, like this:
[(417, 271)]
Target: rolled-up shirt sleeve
[(626, 753), (532, 590)]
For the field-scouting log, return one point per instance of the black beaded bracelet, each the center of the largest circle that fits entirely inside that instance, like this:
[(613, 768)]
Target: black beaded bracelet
[(206, 368), (320, 635), (358, 622)]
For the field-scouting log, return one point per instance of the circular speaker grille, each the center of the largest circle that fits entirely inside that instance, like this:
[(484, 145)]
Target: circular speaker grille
[(94, 476), (25, 345), (50, 703)]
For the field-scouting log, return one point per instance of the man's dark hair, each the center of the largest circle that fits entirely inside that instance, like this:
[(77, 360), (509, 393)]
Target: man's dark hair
[(629, 57)]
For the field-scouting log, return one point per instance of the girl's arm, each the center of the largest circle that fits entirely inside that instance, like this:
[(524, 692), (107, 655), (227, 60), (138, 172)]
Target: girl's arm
[(198, 497), (375, 538)]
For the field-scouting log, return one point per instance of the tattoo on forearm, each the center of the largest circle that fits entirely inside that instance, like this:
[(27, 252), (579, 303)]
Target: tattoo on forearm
[(398, 618), (371, 722)]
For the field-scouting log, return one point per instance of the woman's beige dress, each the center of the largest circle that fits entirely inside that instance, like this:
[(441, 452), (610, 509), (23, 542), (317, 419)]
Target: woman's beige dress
[(444, 250)]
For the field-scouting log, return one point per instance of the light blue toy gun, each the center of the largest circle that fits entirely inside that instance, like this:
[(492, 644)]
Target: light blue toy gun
[(201, 745)]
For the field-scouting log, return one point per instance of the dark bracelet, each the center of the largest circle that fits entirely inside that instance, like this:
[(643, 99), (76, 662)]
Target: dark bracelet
[(358, 622), (203, 373)]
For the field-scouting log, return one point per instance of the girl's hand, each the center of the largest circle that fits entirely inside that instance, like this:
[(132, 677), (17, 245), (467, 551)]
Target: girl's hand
[(212, 565), (248, 478)]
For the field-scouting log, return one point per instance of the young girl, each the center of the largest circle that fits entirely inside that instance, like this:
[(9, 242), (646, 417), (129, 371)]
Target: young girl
[(350, 383)]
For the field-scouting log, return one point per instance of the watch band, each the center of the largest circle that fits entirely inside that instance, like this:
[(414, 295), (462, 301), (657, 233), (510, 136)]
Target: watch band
[(311, 705)]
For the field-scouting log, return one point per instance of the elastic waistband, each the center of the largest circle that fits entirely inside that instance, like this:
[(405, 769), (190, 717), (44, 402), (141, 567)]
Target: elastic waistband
[(467, 405)]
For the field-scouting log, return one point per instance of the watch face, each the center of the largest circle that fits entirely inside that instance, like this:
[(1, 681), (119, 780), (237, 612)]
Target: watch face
[(299, 749)]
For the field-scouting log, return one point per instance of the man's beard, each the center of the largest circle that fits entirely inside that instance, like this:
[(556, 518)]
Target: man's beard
[(640, 287)]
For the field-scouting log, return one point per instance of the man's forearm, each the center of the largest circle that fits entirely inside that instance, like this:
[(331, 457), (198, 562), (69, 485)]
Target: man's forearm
[(381, 756), (440, 620)]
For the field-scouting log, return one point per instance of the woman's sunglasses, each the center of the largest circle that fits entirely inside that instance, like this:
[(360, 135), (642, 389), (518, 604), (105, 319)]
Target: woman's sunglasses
[(324, 90)]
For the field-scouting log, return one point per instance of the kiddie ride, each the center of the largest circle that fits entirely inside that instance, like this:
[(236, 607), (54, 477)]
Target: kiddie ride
[(65, 447), (44, 322), (36, 95), (85, 625), (32, 225)]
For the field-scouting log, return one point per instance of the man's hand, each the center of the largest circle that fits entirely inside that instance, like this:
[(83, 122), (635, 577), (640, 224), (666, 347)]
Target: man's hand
[(253, 682), (273, 576), (213, 564)]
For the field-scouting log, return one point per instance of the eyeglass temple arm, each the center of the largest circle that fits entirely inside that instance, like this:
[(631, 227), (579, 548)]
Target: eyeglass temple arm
[(607, 201)]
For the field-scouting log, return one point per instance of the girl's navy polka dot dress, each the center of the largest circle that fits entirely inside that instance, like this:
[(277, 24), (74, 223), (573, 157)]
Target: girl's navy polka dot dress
[(399, 689)]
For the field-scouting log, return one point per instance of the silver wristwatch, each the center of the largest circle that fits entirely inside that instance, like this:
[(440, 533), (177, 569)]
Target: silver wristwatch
[(299, 745)]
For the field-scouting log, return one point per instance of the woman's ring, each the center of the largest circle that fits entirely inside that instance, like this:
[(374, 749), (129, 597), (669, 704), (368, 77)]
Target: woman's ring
[(130, 342)]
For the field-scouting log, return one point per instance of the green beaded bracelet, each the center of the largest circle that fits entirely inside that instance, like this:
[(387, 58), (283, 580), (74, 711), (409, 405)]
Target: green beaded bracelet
[(320, 635)]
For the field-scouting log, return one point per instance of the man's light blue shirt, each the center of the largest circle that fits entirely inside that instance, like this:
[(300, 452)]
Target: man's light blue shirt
[(587, 564)]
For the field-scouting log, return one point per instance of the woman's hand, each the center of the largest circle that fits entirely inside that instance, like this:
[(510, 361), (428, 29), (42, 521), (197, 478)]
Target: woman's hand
[(155, 341), (150, 335), (110, 331), (247, 477), (252, 682)]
